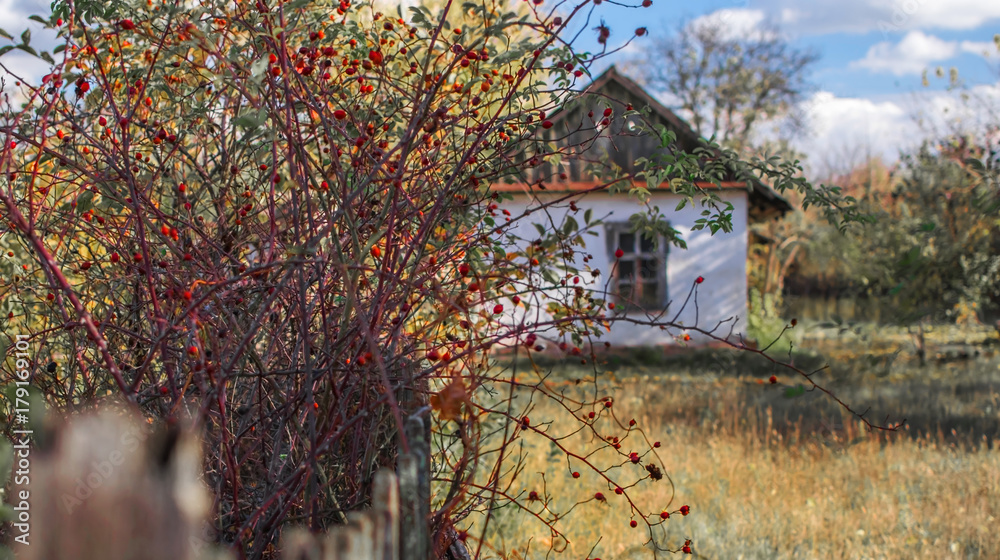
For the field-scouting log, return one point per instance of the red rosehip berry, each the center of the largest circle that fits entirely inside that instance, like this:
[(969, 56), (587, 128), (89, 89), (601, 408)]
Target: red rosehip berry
[(463, 269), (127, 24), (599, 496), (699, 280), (340, 114), (656, 444), (619, 491), (685, 510), (576, 474), (633, 524), (619, 253), (608, 111), (664, 515), (497, 309), (115, 258), (773, 379), (686, 549)]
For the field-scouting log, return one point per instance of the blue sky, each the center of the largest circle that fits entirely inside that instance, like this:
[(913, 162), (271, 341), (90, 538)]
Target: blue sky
[(868, 81), (868, 92)]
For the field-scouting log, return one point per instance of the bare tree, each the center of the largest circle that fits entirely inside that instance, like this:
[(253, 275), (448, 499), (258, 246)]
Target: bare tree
[(727, 83)]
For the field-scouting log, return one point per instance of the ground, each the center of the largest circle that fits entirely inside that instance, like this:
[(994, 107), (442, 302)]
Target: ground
[(771, 472)]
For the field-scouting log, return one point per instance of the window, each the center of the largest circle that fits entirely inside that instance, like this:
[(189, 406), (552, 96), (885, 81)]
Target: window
[(640, 277)]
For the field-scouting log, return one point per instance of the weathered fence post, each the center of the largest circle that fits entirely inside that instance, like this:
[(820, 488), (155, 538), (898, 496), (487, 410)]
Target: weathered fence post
[(111, 487), (142, 500), (368, 535), (414, 492)]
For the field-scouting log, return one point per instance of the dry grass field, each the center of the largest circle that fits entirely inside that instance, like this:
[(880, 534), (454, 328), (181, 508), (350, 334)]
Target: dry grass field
[(771, 473)]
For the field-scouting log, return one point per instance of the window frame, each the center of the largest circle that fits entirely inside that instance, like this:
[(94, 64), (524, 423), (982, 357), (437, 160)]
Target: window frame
[(635, 254)]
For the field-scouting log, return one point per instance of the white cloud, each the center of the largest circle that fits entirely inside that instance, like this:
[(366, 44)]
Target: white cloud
[(14, 14), (837, 122), (733, 23), (892, 17), (883, 127), (981, 48), (910, 56)]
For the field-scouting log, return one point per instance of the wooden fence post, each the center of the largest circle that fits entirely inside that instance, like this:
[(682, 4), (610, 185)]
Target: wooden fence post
[(368, 535), (142, 508), (414, 492)]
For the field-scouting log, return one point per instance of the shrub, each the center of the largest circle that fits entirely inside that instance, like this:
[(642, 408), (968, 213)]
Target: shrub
[(277, 217)]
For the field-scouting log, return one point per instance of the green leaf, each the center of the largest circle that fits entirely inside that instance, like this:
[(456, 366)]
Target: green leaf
[(258, 67), (85, 202), (38, 19), (587, 214), (570, 225), (3, 33), (6, 462), (246, 121), (5, 49), (791, 392), (26, 37), (975, 164), (27, 49)]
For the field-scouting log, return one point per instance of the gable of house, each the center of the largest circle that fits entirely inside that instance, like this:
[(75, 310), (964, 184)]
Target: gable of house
[(592, 144)]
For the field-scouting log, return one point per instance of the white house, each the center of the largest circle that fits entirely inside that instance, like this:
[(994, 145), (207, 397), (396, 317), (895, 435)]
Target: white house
[(655, 280)]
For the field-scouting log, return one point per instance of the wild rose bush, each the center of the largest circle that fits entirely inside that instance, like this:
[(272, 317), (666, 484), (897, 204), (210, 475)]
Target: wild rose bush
[(277, 216)]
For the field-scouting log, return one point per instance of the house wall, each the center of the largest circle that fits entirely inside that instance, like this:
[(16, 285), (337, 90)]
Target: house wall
[(719, 258)]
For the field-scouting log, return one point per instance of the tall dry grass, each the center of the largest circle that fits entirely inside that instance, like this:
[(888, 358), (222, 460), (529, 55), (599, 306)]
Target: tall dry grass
[(763, 483)]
